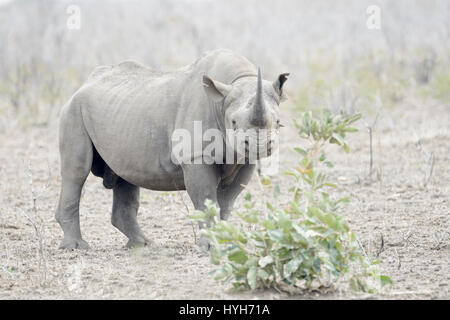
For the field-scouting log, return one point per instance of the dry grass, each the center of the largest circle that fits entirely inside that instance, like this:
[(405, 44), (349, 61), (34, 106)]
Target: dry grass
[(410, 219)]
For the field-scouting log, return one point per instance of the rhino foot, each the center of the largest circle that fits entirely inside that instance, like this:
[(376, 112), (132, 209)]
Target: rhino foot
[(137, 243), (74, 244)]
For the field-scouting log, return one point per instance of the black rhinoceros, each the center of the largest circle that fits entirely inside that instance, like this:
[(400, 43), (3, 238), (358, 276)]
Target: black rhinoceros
[(119, 125)]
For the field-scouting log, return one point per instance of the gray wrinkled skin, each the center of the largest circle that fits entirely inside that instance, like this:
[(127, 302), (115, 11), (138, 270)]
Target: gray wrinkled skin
[(119, 126)]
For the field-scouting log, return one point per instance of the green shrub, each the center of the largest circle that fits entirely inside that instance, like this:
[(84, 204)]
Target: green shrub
[(300, 243)]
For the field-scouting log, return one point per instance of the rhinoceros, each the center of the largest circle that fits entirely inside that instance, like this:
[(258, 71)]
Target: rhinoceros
[(119, 124)]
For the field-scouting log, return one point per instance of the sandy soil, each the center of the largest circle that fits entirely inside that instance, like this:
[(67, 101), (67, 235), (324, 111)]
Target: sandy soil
[(412, 218)]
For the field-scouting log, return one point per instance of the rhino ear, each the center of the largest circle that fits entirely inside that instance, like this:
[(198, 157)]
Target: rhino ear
[(278, 85), (216, 89)]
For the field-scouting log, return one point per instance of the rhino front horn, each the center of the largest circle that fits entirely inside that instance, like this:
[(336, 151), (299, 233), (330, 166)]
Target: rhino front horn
[(258, 118)]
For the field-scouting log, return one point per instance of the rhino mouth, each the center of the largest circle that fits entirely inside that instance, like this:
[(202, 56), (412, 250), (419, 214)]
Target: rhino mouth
[(259, 150), (252, 144)]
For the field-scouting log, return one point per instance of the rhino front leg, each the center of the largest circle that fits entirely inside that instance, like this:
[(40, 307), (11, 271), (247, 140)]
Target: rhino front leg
[(124, 213), (201, 183), (226, 195)]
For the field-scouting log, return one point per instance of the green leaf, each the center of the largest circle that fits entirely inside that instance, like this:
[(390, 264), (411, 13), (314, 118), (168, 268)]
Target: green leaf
[(350, 129), (219, 274), (276, 191), (313, 211), (346, 148), (275, 235), (249, 217), (306, 119), (292, 266), (305, 163), (301, 151), (338, 138), (289, 173), (309, 233), (355, 284), (329, 164), (294, 207), (268, 224), (251, 277), (316, 265), (265, 261), (269, 206), (329, 219), (262, 274), (238, 256), (384, 280), (197, 215), (343, 200)]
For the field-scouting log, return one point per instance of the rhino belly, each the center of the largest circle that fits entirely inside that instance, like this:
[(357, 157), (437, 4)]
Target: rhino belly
[(133, 140)]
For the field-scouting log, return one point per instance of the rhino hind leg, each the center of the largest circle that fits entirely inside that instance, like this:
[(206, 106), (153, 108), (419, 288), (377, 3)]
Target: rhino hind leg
[(76, 161), (124, 213), (68, 216)]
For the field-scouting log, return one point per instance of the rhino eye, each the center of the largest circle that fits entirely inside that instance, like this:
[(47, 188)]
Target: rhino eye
[(279, 125), (233, 122)]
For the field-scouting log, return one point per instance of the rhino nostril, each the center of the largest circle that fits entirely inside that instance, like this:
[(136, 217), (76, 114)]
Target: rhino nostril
[(233, 122)]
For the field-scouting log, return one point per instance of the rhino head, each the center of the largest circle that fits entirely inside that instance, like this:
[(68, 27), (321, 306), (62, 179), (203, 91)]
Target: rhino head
[(250, 111)]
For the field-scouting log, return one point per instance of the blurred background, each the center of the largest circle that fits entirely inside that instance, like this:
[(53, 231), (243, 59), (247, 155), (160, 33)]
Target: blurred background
[(48, 48)]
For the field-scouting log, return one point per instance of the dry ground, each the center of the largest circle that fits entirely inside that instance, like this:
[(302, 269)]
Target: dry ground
[(413, 219)]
